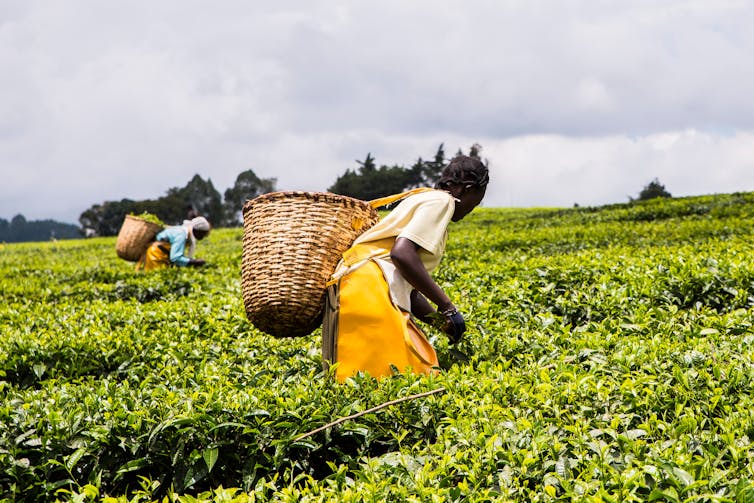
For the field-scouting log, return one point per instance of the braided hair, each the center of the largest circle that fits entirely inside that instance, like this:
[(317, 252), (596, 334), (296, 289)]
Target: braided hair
[(464, 170)]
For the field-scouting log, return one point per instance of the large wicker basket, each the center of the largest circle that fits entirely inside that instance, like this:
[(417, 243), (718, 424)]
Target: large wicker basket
[(134, 237), (292, 242)]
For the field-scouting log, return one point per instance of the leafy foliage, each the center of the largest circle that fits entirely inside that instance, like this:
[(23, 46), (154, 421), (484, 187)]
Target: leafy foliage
[(609, 350), (199, 196), (427, 173), (652, 190), (247, 186), (148, 217), (370, 182)]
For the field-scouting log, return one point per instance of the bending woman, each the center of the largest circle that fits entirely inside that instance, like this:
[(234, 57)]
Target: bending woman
[(384, 278), (169, 247)]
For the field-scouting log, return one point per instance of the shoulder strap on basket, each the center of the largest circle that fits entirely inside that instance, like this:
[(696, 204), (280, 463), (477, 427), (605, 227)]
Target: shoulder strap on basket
[(382, 201)]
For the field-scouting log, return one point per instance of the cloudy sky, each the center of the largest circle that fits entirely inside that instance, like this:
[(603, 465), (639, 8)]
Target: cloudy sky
[(584, 101)]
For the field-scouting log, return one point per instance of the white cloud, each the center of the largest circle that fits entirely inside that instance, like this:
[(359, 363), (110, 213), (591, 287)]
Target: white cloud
[(581, 101), (549, 170)]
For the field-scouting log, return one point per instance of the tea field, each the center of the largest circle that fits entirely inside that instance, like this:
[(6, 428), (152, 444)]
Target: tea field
[(609, 359)]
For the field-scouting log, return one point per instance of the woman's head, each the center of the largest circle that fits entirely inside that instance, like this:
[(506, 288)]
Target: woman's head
[(466, 179), (200, 227)]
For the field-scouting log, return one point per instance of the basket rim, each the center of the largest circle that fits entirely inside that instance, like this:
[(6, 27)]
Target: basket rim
[(329, 197)]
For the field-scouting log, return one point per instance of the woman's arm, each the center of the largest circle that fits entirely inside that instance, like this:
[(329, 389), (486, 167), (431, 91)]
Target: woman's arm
[(421, 307), (406, 259)]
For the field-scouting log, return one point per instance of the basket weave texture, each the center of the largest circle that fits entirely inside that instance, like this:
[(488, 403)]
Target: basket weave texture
[(134, 237), (292, 242)]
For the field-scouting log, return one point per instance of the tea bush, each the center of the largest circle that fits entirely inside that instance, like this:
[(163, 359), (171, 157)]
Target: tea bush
[(609, 358)]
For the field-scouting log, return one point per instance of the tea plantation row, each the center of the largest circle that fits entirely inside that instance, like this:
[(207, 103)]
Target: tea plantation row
[(609, 359)]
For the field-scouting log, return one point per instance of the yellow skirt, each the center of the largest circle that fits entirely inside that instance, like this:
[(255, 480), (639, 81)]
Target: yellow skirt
[(364, 331), (157, 256)]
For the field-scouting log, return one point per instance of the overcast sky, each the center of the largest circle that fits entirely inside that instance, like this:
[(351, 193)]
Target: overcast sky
[(584, 101)]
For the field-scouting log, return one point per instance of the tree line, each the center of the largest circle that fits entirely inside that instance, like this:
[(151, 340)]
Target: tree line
[(371, 182), (200, 196), (18, 230)]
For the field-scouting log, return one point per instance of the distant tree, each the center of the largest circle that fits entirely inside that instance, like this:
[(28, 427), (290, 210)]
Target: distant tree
[(18, 229), (427, 173), (18, 222), (367, 166), (474, 151), (247, 186), (652, 190), (370, 182), (106, 218), (90, 218), (203, 197)]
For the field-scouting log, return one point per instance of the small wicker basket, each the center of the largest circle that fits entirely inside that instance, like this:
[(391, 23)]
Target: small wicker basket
[(292, 242), (134, 237)]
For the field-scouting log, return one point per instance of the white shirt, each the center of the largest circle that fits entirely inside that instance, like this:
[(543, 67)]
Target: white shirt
[(423, 218)]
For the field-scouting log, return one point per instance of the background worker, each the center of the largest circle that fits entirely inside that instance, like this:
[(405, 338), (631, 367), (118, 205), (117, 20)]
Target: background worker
[(175, 245)]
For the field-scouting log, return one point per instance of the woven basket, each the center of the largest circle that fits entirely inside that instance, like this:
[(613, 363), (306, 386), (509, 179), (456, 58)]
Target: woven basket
[(292, 242), (134, 237)]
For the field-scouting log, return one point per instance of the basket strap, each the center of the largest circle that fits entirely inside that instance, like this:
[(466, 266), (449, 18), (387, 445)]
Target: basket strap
[(382, 201), (355, 257)]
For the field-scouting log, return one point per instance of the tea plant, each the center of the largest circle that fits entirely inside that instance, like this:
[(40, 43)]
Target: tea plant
[(609, 358)]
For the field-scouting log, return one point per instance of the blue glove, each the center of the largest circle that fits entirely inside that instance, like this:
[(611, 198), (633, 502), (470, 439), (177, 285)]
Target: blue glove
[(455, 325)]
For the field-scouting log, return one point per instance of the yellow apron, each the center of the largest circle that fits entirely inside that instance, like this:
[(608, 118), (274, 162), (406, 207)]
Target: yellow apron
[(363, 331), (157, 256)]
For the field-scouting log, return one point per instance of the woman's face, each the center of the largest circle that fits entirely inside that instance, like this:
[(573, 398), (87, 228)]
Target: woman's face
[(469, 198), (199, 235)]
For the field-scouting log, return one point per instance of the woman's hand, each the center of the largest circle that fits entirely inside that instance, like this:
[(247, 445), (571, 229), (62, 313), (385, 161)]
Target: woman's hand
[(196, 262), (449, 320), (455, 325)]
